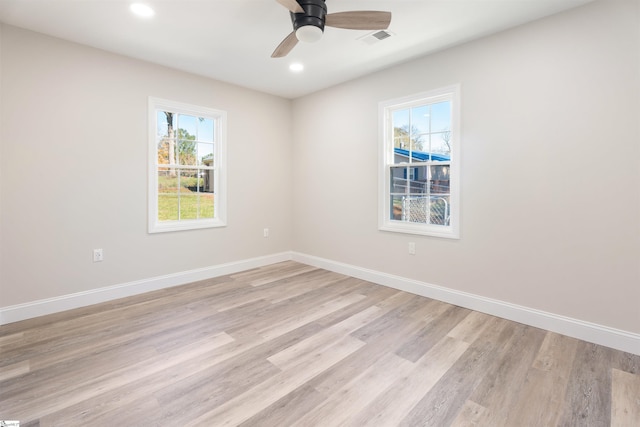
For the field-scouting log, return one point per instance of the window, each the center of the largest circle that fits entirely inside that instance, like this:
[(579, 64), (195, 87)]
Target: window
[(419, 164), (187, 159)]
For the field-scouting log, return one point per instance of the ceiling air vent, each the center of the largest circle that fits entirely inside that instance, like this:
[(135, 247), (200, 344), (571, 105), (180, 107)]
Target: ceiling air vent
[(376, 36)]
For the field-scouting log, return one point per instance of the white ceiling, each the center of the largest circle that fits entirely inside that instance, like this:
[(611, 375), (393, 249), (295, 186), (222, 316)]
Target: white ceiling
[(232, 40)]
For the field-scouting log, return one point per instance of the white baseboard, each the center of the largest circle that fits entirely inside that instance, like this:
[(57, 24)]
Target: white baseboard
[(587, 331), (591, 332), (43, 307)]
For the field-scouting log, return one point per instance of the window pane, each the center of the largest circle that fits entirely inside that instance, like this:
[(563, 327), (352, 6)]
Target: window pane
[(401, 138), (441, 143), (166, 146), (400, 119), (188, 125), (206, 180), (420, 119), (188, 205), (189, 181), (409, 180), (441, 116), (164, 134), (439, 179), (399, 180), (196, 194), (400, 123), (206, 205), (186, 152), (418, 180), (167, 195), (205, 130), (163, 119), (167, 180), (421, 156), (419, 143), (188, 194), (395, 212), (421, 209), (439, 210), (415, 209), (205, 154)]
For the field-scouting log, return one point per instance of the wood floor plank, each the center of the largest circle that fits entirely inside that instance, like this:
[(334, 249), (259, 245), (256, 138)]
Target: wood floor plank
[(272, 272), (546, 382), (136, 414), (588, 395), (373, 295), (194, 394), (441, 404), (14, 370), (472, 326), (469, 415), (625, 399), (341, 406), (269, 279), (44, 398), (299, 319), (291, 355), (70, 334), (519, 346), (10, 339), (626, 362), (213, 387), (397, 316), (288, 409), (335, 378), (286, 289), (395, 329), (397, 400), (289, 344), (431, 333), (239, 409)]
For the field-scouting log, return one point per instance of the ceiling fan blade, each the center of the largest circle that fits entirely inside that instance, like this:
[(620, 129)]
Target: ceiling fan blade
[(359, 20), (285, 46), (292, 5)]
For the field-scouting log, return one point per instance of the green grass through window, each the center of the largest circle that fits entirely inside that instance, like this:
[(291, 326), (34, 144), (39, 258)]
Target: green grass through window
[(191, 206)]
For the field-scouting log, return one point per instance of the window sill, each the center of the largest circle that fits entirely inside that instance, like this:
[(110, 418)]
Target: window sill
[(421, 229), (196, 224)]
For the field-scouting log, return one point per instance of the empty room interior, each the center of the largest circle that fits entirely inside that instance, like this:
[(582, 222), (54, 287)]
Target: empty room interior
[(433, 220)]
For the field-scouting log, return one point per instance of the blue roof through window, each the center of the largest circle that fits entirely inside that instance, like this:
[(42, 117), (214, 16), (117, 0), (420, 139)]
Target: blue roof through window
[(422, 156)]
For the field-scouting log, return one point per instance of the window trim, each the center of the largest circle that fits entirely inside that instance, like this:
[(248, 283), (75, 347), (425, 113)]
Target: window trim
[(220, 155), (386, 153)]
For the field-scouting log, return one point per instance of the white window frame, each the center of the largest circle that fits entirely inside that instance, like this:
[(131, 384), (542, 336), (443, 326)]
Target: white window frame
[(219, 167), (386, 161)]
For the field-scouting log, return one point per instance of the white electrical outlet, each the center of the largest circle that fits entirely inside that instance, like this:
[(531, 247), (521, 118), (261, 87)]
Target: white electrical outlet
[(265, 232), (98, 255), (412, 248)]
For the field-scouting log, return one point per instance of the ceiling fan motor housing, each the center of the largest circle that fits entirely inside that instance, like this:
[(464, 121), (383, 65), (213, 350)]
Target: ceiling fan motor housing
[(314, 14)]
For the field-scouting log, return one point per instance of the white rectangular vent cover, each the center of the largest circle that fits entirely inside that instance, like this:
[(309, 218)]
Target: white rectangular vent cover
[(376, 36)]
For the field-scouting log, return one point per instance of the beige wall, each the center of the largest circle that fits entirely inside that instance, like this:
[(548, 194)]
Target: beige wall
[(74, 170), (550, 168), (550, 182)]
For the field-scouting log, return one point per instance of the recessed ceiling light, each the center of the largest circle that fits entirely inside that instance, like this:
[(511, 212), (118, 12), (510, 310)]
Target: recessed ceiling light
[(296, 67), (142, 10)]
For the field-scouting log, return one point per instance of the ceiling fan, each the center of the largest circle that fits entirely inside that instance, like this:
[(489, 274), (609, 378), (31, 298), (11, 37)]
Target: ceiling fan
[(309, 18)]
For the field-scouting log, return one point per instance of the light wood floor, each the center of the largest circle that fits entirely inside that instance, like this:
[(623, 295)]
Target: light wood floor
[(292, 345)]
